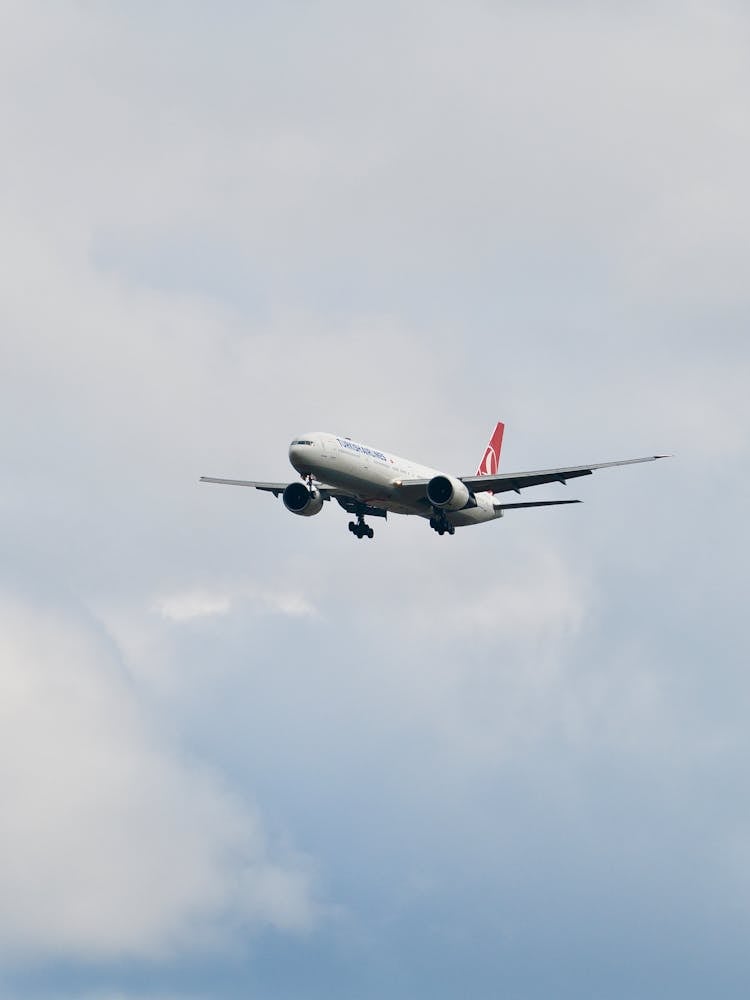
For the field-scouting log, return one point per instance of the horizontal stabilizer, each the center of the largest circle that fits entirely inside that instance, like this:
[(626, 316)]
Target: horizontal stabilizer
[(538, 503)]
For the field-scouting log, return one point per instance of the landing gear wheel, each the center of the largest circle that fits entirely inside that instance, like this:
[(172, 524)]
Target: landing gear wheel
[(360, 529), (439, 522)]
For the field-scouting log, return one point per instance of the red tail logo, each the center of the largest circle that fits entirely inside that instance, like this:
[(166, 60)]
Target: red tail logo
[(491, 459)]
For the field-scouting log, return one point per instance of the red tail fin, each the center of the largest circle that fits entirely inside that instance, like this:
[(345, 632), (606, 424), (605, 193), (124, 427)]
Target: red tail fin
[(491, 459)]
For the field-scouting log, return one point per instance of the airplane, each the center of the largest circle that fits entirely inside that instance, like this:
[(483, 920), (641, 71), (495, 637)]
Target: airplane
[(368, 482)]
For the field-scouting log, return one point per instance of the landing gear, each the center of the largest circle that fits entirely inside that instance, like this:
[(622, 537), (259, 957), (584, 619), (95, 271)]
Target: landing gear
[(439, 522), (360, 529), (360, 510)]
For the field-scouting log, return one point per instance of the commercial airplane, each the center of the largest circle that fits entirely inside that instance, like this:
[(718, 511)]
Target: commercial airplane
[(368, 482)]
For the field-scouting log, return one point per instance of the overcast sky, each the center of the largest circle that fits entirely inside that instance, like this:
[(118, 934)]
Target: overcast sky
[(243, 754)]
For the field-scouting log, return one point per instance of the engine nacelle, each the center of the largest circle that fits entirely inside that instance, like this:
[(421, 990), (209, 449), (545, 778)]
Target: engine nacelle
[(447, 493), (299, 500)]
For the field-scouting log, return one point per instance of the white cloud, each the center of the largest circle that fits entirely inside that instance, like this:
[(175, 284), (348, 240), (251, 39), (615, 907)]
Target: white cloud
[(190, 604), (295, 605), (539, 599), (112, 843), (193, 604)]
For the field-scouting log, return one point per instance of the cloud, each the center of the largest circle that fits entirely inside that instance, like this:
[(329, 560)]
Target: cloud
[(541, 599), (191, 604), (113, 842), (221, 230)]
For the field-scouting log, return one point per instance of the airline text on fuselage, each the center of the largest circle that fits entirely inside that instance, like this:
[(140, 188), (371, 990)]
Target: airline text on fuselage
[(361, 449)]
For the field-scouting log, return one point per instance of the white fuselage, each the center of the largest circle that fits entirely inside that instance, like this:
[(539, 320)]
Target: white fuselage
[(374, 476)]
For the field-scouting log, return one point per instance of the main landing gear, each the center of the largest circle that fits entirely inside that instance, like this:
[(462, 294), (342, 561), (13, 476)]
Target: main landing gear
[(360, 529), (360, 510), (439, 522)]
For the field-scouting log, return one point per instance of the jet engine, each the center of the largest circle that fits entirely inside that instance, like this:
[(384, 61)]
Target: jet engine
[(299, 500), (447, 493)]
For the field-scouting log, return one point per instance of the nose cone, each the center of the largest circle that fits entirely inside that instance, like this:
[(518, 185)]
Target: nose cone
[(294, 455), (301, 451)]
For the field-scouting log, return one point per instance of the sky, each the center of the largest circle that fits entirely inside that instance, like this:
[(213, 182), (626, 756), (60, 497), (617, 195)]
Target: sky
[(243, 755)]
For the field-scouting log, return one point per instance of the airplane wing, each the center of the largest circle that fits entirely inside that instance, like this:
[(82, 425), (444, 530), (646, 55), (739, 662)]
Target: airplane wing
[(516, 481), (275, 488), (326, 492)]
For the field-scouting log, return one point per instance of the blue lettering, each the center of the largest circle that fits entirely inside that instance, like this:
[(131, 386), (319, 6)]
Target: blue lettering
[(361, 449)]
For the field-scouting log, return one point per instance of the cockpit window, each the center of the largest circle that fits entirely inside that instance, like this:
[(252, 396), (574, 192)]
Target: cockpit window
[(301, 442)]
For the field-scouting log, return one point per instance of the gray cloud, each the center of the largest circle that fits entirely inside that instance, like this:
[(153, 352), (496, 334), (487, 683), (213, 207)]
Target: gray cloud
[(114, 844), (220, 229)]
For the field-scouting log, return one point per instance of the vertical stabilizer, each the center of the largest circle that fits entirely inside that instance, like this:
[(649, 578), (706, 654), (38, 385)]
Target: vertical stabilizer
[(491, 458)]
